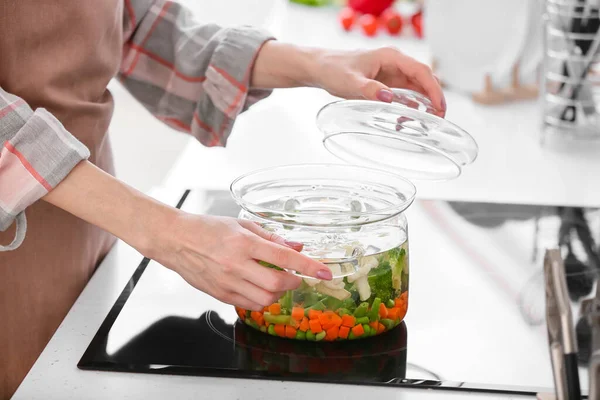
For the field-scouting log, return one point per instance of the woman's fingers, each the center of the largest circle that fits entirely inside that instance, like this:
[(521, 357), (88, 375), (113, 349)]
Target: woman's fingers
[(289, 259), (269, 279), (423, 76), (238, 300)]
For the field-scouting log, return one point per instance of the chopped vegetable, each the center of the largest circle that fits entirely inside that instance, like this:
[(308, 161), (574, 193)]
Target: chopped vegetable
[(300, 335), (364, 290), (298, 313), (343, 332), (349, 304), (358, 330), (332, 303), (318, 306), (263, 329), (271, 330), (252, 323), (382, 311), (314, 314), (315, 326), (290, 332), (361, 310), (373, 313), (380, 283), (348, 321), (275, 308), (397, 261), (311, 281), (362, 320), (351, 335), (320, 336), (332, 333), (367, 329), (387, 323), (340, 294), (330, 319), (280, 330), (393, 313), (390, 303), (310, 336), (277, 319), (343, 311), (304, 324), (310, 298), (286, 300)]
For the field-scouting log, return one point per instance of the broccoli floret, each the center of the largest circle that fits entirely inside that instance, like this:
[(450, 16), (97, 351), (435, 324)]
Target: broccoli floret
[(380, 282), (397, 260)]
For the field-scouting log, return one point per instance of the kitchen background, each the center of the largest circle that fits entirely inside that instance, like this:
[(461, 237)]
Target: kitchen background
[(509, 41)]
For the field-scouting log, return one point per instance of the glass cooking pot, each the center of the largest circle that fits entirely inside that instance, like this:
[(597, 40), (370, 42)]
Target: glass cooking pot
[(351, 217)]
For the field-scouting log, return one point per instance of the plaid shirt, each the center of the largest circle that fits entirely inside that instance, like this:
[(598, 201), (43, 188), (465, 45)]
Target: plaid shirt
[(193, 77)]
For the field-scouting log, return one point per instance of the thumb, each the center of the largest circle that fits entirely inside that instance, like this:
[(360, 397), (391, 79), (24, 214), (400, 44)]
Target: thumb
[(375, 90)]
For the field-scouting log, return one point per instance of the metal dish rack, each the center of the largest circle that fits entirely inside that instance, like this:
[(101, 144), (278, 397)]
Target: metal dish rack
[(571, 70)]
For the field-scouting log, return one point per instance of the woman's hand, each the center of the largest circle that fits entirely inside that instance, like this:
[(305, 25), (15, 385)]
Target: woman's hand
[(214, 254), (370, 75), (365, 74), (219, 256)]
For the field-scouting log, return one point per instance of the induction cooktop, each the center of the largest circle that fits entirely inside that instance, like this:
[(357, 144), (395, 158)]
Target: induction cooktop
[(161, 325)]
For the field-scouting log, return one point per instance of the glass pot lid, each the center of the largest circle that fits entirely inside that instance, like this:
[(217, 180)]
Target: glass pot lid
[(323, 195), (404, 137)]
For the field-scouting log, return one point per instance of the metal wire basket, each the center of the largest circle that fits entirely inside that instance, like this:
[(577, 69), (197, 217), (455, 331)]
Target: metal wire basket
[(571, 69)]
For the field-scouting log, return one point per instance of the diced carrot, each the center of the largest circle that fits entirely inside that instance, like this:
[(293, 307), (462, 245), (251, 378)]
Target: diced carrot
[(256, 315), (290, 332), (267, 323), (280, 330), (374, 325), (326, 317), (393, 313), (380, 328), (314, 314), (266, 309), (304, 324), (261, 321), (348, 320), (358, 330), (382, 311), (241, 313), (344, 332), (275, 308), (337, 320), (332, 333), (297, 313), (404, 296), (294, 323), (398, 302), (315, 326)]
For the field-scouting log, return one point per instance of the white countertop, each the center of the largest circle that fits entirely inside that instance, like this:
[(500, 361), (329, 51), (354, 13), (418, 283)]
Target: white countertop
[(55, 374), (511, 168)]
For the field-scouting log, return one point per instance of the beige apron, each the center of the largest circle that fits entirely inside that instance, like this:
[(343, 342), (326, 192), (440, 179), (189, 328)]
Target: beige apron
[(59, 55)]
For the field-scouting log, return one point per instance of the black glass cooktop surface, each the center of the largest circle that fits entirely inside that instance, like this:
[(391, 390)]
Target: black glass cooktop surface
[(475, 318)]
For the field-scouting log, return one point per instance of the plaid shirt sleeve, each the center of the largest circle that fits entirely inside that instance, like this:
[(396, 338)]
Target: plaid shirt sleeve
[(36, 154), (193, 77)]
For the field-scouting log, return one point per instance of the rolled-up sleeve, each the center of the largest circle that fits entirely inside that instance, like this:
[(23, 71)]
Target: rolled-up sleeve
[(36, 154), (194, 77)]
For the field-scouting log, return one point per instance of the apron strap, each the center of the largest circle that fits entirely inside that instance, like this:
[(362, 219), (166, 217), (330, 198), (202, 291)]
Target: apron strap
[(21, 222)]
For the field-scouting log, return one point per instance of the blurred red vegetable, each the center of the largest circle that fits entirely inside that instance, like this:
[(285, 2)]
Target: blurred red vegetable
[(417, 23), (373, 7), (368, 24), (347, 18), (392, 21)]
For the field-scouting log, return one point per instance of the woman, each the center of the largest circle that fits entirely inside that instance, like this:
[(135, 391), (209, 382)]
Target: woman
[(56, 166)]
